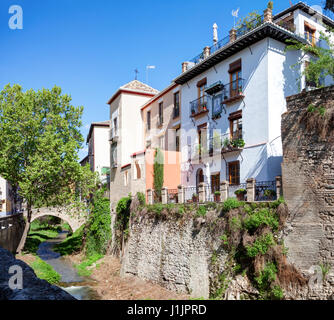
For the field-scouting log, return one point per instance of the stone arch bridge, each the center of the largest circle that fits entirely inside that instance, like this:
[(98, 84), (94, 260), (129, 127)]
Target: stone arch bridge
[(74, 218)]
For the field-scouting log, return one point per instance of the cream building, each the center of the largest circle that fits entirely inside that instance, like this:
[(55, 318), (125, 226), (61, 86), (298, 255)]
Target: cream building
[(126, 139)]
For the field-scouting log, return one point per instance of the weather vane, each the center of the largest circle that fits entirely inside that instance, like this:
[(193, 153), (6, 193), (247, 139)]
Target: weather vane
[(136, 73)]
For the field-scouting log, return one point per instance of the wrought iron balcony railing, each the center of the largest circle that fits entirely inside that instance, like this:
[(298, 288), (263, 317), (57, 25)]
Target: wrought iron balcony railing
[(233, 90), (198, 106)]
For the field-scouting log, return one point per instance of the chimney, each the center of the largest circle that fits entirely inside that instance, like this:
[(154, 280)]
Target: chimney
[(215, 33), (184, 66), (268, 15), (233, 35), (206, 52)]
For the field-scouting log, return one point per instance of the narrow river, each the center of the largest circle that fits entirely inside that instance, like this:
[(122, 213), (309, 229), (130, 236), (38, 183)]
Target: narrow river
[(79, 287)]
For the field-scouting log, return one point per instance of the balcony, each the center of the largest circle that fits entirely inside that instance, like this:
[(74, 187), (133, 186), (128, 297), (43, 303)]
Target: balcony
[(233, 91), (221, 144), (199, 107), (113, 135)]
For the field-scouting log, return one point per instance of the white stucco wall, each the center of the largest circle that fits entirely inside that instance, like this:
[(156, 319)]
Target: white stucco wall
[(101, 148)]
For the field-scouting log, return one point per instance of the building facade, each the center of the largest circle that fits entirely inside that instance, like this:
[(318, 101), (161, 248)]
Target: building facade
[(126, 139), (99, 150), (233, 95)]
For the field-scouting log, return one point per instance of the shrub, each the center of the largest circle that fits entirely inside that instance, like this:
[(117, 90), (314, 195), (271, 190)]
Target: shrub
[(235, 223), (230, 204), (82, 267), (141, 198), (201, 211), (71, 244), (261, 245), (261, 217)]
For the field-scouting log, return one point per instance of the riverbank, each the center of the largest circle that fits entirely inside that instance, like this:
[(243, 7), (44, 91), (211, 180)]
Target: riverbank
[(109, 285)]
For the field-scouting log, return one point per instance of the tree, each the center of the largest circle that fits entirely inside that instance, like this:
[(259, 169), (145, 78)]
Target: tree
[(158, 171), (321, 63), (39, 144), (329, 5)]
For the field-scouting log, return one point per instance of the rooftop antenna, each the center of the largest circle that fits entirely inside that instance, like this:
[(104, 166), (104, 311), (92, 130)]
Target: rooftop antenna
[(291, 4), (147, 68), (136, 73)]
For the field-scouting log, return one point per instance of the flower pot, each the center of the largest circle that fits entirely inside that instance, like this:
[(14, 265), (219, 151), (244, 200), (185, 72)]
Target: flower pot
[(195, 199), (217, 197), (241, 196)]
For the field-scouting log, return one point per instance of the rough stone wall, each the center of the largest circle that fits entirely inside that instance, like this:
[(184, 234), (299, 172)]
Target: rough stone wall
[(33, 287), (308, 182), (174, 253)]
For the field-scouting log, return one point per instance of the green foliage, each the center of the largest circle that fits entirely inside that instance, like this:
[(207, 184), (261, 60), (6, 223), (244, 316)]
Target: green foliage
[(39, 233), (201, 211), (321, 63), (251, 21), (40, 139), (270, 5), (260, 246), (141, 198), (82, 267), (235, 223), (238, 143), (71, 244), (325, 268), (261, 217), (231, 203), (269, 193), (240, 191), (45, 271), (311, 108), (224, 238), (275, 204), (98, 227), (158, 172)]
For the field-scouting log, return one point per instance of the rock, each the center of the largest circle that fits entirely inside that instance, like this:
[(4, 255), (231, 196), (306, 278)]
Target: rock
[(240, 288), (33, 287)]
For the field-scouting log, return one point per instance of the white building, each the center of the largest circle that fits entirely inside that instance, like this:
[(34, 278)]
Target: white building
[(99, 149), (233, 96)]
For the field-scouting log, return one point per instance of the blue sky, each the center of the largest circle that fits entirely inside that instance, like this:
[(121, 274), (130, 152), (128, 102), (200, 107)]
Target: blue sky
[(91, 48)]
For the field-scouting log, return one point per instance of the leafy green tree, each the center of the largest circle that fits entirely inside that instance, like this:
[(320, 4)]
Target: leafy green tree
[(39, 144), (321, 63), (329, 5), (158, 172)]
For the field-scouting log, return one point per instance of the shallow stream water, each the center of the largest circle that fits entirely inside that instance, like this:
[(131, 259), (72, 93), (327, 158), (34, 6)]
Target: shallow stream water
[(79, 287)]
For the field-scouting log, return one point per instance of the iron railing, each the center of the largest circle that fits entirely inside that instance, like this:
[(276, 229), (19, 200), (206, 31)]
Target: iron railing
[(234, 187), (199, 105), (261, 193), (191, 194), (249, 26), (233, 89), (219, 44), (172, 195)]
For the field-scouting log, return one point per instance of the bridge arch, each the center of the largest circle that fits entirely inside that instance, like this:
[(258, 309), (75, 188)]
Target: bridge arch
[(74, 220)]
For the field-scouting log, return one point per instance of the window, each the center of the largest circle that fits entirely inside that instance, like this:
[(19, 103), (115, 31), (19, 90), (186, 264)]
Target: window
[(115, 127), (114, 155), (138, 170), (177, 140), (215, 182), (310, 33), (126, 178), (148, 119), (176, 112), (234, 173), (201, 86), (202, 139), (161, 114), (236, 125), (235, 78), (162, 143)]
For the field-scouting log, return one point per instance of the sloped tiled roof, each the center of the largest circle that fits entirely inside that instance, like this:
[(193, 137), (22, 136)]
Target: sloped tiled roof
[(136, 85)]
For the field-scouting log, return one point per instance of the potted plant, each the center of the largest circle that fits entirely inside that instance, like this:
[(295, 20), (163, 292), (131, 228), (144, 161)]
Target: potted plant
[(240, 193), (270, 194), (217, 196), (195, 197)]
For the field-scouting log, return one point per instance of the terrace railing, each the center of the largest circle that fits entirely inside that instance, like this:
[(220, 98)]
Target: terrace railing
[(265, 190), (198, 106), (233, 90)]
